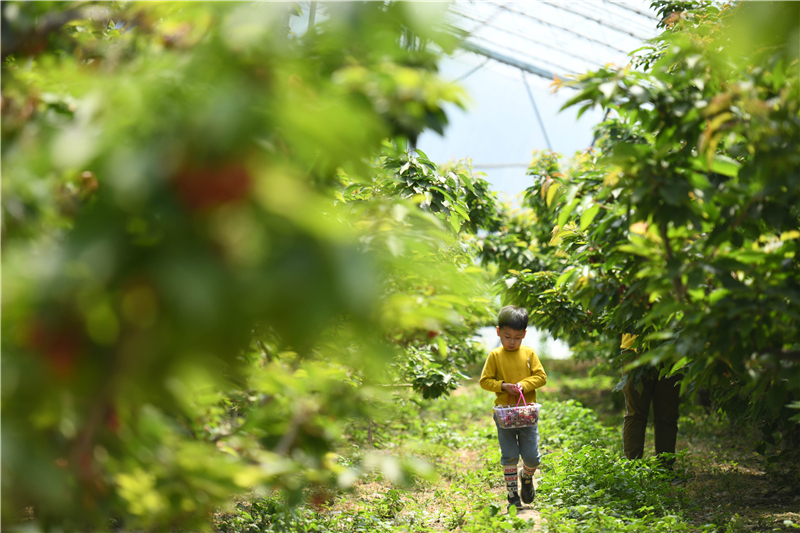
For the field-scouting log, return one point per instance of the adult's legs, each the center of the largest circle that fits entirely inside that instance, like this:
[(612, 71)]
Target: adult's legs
[(637, 407), (666, 398)]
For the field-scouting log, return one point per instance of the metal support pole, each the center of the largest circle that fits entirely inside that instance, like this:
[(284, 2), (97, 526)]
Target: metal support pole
[(561, 27), (312, 15), (472, 71), (634, 9), (536, 110), (516, 63)]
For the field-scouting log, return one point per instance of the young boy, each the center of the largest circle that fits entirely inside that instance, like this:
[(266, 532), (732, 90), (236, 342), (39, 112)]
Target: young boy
[(509, 369)]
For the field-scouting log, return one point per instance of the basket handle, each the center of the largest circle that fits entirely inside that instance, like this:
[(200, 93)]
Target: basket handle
[(521, 397)]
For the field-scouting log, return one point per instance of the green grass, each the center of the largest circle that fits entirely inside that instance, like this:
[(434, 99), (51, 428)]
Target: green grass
[(585, 484)]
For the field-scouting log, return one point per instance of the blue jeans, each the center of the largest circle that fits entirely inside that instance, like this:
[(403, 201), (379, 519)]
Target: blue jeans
[(519, 442)]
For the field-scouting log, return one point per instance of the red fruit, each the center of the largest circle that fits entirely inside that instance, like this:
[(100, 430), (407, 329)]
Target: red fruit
[(205, 188), (85, 464), (112, 420), (432, 334), (60, 346)]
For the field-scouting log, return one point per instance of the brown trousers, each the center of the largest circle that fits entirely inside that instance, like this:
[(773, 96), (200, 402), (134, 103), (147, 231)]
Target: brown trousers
[(665, 397)]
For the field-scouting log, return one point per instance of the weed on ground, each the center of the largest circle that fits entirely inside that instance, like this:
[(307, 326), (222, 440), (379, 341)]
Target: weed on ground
[(585, 484)]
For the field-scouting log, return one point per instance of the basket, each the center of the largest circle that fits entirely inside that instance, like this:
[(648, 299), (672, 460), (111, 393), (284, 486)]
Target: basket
[(518, 416), (509, 417)]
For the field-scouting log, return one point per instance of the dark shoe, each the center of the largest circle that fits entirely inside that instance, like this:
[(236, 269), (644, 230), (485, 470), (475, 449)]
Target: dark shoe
[(514, 500), (528, 492)]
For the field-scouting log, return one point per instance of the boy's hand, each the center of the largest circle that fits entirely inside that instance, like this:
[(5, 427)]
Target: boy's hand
[(512, 389)]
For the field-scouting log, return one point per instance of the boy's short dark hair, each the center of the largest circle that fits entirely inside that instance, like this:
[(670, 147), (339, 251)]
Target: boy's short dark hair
[(513, 317)]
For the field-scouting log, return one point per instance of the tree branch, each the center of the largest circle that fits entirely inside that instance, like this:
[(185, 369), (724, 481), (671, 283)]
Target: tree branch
[(680, 290), (745, 211), (289, 437)]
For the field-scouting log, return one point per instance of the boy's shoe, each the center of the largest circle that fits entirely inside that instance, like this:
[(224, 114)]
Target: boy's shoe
[(514, 500), (528, 492)]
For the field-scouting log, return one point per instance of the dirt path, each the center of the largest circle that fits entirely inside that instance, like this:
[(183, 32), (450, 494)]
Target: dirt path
[(529, 513)]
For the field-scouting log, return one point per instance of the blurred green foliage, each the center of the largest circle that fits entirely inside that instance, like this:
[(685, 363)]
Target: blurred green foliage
[(217, 248)]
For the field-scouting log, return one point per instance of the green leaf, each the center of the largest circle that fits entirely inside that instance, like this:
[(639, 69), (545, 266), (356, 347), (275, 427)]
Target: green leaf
[(461, 211), (563, 278), (455, 224), (588, 216), (750, 257), (446, 194), (563, 216), (699, 180), (660, 336), (717, 295), (442, 345), (552, 192), (682, 362), (725, 166), (636, 250), (720, 164), (467, 182)]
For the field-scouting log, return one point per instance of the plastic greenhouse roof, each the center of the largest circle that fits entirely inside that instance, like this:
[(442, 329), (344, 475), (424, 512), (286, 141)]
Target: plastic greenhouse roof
[(555, 37)]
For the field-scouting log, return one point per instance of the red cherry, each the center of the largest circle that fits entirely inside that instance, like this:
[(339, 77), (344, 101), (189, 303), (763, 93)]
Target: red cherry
[(60, 346), (205, 188), (112, 420)]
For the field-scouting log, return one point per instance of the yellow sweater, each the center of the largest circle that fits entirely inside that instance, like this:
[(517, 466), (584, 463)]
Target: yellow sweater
[(520, 366)]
